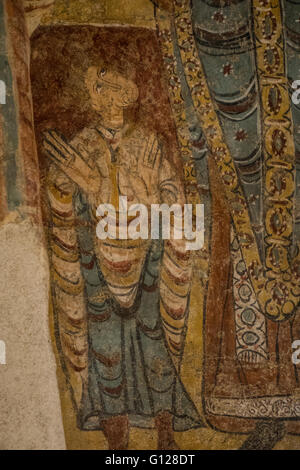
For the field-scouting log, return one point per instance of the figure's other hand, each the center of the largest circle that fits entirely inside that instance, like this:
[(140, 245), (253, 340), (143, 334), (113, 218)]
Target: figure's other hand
[(77, 166)]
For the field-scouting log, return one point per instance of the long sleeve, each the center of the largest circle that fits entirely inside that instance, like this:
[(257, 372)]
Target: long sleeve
[(176, 270), (67, 282)]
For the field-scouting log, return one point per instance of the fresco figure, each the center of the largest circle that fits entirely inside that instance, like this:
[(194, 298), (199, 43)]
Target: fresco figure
[(120, 305)]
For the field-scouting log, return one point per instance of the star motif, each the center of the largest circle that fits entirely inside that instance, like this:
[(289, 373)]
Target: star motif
[(227, 69), (218, 17), (241, 135), (253, 198)]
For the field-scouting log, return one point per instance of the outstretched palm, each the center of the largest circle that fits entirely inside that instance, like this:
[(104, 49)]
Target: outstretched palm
[(78, 166)]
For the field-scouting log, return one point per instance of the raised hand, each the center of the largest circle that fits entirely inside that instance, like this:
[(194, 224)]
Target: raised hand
[(78, 166)]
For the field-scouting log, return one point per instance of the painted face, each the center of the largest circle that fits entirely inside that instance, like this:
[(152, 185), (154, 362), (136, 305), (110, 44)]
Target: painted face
[(108, 88)]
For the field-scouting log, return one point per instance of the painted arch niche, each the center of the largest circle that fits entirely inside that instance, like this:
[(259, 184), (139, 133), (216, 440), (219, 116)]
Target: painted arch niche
[(59, 57)]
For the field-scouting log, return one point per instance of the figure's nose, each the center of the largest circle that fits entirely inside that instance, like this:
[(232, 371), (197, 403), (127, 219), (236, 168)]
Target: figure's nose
[(130, 93)]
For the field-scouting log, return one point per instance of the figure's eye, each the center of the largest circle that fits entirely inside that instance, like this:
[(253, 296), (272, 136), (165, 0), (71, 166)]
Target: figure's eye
[(102, 72)]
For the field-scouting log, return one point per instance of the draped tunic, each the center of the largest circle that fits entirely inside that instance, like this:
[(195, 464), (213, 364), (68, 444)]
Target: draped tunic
[(121, 305)]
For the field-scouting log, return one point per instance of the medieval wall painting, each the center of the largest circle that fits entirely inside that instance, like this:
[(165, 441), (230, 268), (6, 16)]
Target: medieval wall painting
[(135, 105)]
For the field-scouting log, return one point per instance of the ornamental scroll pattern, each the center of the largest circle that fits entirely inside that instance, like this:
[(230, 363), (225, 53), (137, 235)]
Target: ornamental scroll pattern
[(178, 108), (278, 141), (264, 407), (250, 323), (277, 284)]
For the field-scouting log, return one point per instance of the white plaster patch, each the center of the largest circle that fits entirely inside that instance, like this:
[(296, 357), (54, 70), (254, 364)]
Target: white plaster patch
[(30, 410)]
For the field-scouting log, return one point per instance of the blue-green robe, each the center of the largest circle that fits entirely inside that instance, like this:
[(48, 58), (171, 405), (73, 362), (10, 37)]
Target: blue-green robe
[(130, 370)]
